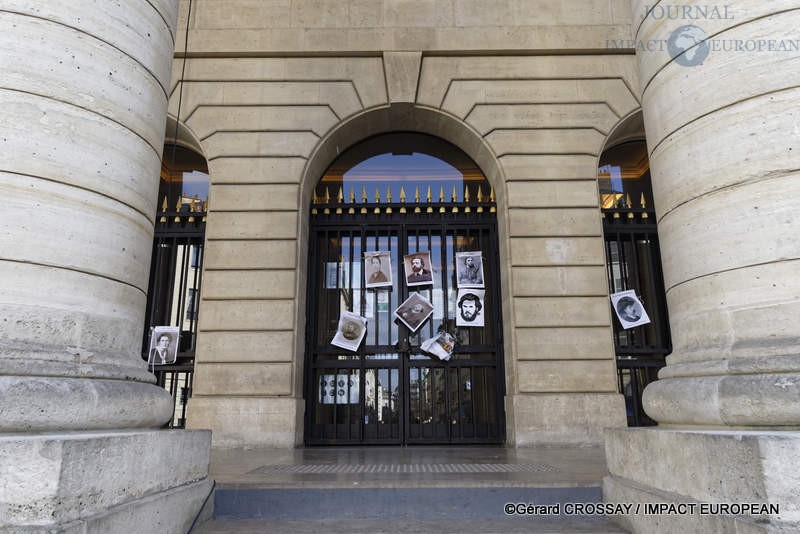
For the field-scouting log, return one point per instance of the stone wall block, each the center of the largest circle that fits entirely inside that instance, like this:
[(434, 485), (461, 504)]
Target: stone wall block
[(543, 251), (247, 421), (564, 342), (255, 169), (551, 194), (273, 346), (247, 315), (248, 284), (561, 311), (244, 197), (235, 379), (543, 222), (559, 281), (568, 376), (250, 254), (566, 418), (251, 225), (486, 118)]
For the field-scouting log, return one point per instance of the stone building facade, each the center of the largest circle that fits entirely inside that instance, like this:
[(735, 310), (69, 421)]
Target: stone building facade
[(271, 92), (271, 96)]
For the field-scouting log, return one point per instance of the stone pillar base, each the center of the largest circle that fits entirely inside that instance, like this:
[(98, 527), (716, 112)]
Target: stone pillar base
[(148, 481), (659, 465), (552, 419)]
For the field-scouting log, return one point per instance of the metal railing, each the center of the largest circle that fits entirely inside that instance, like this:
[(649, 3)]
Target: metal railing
[(633, 261), (174, 293)]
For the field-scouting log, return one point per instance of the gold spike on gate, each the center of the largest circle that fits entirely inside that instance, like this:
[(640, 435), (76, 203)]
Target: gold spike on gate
[(363, 198), (493, 208), (416, 200), (442, 209), (629, 204), (327, 199), (377, 201), (454, 199), (643, 204), (467, 209), (164, 207), (178, 209), (388, 199), (352, 209), (402, 199), (430, 209), (480, 199), (339, 201)]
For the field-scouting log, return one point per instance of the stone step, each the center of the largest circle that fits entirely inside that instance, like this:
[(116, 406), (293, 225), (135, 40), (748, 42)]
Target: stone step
[(421, 503), (431, 526)]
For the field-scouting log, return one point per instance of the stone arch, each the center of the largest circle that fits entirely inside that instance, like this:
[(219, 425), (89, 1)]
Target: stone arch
[(397, 118), (628, 128), (180, 134)]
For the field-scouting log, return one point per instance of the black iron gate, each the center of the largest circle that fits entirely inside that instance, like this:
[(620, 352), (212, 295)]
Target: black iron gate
[(390, 391), (173, 295), (634, 262)]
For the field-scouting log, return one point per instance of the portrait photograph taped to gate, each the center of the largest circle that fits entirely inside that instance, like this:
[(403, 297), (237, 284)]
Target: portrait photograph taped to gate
[(414, 311), (629, 309), (418, 269), (378, 269), (469, 269), (351, 330), (469, 305), (163, 345)]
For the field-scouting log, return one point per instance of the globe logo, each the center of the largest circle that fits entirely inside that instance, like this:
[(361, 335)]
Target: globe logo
[(688, 46)]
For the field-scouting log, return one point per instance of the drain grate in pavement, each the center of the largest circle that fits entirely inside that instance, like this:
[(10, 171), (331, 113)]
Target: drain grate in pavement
[(405, 468)]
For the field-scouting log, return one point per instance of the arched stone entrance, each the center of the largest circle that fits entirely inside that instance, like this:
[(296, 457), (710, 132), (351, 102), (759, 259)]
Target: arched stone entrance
[(420, 120)]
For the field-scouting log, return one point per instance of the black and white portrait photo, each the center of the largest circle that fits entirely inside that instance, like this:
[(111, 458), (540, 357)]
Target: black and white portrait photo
[(469, 269), (418, 269), (470, 307), (378, 269), (414, 311), (629, 309), (163, 345), (351, 330)]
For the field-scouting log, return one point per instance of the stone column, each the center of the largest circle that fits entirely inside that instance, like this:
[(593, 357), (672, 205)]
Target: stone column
[(83, 97), (83, 107), (722, 130)]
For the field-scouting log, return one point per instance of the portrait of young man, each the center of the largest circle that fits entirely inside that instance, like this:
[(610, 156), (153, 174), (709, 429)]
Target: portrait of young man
[(378, 269), (418, 269), (469, 269), (470, 307)]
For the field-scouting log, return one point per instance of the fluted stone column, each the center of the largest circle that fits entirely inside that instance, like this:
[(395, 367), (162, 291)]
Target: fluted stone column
[(723, 131), (83, 97)]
